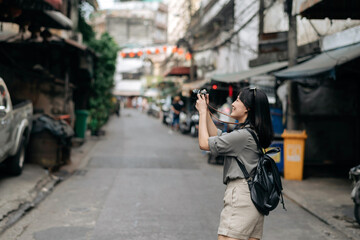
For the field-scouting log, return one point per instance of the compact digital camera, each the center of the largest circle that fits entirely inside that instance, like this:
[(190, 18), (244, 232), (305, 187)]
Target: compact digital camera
[(198, 91)]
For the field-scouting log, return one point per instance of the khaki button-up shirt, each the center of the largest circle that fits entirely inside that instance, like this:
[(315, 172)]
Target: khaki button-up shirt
[(238, 143)]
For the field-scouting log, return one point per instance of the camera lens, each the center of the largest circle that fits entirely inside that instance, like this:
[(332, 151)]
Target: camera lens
[(204, 92), (198, 91)]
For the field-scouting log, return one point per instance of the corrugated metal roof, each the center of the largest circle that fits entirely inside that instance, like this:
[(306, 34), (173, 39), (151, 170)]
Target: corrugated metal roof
[(239, 76), (322, 63)]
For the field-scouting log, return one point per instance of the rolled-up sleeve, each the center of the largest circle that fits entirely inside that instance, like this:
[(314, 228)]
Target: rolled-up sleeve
[(229, 144)]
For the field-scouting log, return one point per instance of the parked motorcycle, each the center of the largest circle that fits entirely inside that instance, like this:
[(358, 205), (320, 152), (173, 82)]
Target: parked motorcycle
[(189, 123), (166, 110), (354, 175)]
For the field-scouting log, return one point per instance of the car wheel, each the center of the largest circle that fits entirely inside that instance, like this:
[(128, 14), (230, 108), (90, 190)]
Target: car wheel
[(182, 129), (357, 213), (15, 164)]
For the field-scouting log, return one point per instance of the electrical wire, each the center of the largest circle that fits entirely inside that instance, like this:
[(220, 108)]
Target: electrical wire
[(228, 40)]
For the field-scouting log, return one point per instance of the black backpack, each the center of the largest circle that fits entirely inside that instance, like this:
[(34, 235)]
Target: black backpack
[(264, 180)]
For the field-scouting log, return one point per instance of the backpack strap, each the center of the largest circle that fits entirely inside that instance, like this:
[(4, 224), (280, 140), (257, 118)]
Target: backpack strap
[(243, 169), (256, 139), (241, 165)]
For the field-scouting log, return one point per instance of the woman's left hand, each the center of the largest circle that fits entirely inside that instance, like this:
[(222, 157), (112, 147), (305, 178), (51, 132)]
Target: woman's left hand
[(201, 104)]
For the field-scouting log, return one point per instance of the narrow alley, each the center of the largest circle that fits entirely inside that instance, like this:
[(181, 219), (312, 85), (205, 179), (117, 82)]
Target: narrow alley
[(143, 182)]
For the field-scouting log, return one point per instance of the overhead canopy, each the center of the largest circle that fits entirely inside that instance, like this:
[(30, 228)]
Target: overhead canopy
[(322, 63), (332, 9), (180, 71), (239, 76)]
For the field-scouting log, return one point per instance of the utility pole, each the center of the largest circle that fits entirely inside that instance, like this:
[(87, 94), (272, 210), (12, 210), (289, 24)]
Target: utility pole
[(261, 17), (192, 65), (292, 60), (292, 40)]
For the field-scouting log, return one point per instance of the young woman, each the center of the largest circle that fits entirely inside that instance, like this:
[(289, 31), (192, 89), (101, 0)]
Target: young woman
[(239, 218)]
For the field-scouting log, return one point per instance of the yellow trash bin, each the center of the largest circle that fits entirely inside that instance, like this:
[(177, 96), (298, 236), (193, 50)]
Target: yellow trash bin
[(294, 147)]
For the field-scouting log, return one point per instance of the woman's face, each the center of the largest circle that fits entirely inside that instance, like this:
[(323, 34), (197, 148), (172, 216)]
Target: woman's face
[(239, 111)]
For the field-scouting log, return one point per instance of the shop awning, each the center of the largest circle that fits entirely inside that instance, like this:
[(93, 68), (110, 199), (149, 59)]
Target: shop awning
[(179, 71), (322, 63), (332, 9), (239, 76)]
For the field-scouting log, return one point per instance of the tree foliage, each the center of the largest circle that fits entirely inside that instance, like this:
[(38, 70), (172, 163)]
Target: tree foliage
[(100, 102)]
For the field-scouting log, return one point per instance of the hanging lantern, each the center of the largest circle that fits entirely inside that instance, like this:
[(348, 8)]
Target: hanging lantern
[(164, 48), (123, 54), (174, 50), (180, 51), (148, 51), (131, 54), (188, 56), (139, 53), (157, 51)]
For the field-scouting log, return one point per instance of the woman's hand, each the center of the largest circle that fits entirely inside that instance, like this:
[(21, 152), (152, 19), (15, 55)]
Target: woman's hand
[(207, 99), (201, 103)]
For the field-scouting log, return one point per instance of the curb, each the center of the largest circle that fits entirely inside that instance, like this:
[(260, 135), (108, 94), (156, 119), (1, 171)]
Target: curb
[(348, 232), (16, 210), (13, 211)]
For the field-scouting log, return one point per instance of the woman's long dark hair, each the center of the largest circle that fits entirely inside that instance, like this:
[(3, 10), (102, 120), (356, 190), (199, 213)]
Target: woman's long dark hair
[(259, 117)]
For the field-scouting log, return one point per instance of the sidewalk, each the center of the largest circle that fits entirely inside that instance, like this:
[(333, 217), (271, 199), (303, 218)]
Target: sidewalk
[(19, 194), (328, 199)]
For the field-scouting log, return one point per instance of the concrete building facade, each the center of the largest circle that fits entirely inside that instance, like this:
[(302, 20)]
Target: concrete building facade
[(134, 23), (179, 15)]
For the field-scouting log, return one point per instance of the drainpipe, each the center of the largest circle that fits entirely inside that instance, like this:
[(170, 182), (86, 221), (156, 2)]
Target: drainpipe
[(292, 60)]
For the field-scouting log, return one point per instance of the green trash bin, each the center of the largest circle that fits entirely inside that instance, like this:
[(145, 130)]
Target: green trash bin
[(81, 123)]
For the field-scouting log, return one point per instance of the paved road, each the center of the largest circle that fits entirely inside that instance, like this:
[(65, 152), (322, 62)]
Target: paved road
[(143, 182)]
